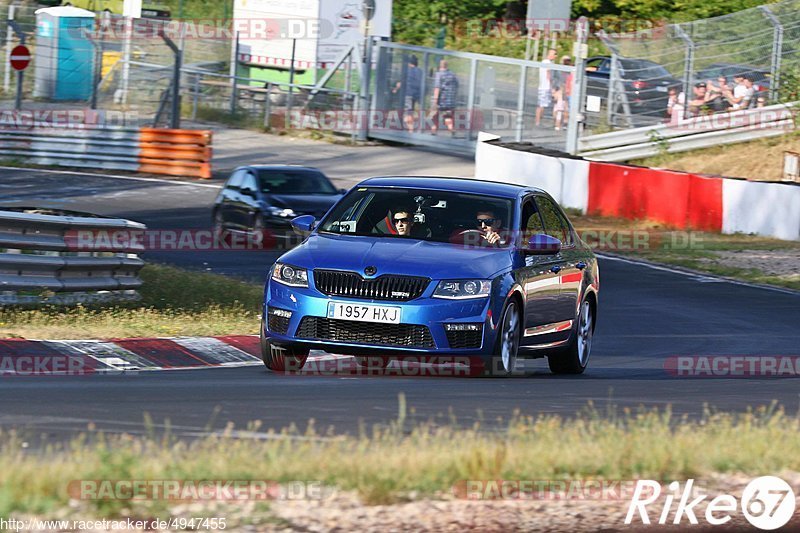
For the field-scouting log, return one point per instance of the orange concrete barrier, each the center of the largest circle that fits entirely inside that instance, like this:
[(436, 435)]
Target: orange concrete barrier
[(175, 152)]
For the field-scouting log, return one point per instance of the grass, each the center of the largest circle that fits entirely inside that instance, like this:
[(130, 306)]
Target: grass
[(174, 303), (757, 160), (388, 465), (696, 250)]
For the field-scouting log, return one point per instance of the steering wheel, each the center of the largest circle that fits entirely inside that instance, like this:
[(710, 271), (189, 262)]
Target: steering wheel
[(468, 236)]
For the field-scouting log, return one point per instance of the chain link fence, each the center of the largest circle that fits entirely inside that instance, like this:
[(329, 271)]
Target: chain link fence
[(689, 69)]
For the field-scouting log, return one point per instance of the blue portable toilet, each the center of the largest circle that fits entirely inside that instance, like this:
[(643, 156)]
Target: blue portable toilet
[(64, 55)]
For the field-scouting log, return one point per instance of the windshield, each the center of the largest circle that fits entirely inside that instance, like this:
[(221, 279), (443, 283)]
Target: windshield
[(640, 70), (300, 181), (428, 215)]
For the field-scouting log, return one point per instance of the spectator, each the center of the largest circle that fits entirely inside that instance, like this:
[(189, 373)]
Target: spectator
[(699, 102), (413, 92), (676, 106), (545, 86), (562, 93), (761, 101), (445, 88), (742, 94), (716, 94)]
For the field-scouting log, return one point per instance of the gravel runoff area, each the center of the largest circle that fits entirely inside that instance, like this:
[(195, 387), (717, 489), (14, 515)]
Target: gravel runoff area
[(772, 262), (342, 511)]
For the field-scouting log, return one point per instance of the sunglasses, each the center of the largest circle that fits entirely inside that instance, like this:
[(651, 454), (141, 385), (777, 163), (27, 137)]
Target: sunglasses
[(403, 220), (487, 221)]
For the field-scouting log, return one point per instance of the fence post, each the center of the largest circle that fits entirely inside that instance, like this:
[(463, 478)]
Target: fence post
[(20, 73), (126, 59), (578, 99), (366, 70), (267, 107), (473, 81), (688, 68), (523, 80), (422, 89), (195, 96), (234, 63), (777, 50), (9, 45), (175, 114)]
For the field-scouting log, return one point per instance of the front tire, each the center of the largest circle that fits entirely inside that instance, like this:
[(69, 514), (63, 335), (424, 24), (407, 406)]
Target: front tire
[(504, 360), (282, 358), (575, 357)]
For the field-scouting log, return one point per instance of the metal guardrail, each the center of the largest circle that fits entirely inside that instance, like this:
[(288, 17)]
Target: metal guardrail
[(691, 134), (59, 259), (156, 151)]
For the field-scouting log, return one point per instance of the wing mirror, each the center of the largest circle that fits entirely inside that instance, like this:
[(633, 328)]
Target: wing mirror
[(303, 225), (542, 244)]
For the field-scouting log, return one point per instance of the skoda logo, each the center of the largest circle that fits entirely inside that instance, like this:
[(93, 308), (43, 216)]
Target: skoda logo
[(370, 270)]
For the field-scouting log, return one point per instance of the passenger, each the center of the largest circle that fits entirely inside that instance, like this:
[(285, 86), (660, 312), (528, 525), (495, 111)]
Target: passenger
[(403, 221)]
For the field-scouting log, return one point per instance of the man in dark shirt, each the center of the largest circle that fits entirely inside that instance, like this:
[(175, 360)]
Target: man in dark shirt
[(411, 93), (445, 88)]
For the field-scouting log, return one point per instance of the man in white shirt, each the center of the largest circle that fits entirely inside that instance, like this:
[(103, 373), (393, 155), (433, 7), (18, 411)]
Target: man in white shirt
[(545, 97), (742, 94)]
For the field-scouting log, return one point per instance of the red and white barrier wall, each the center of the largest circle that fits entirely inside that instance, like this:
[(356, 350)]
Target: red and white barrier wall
[(679, 199)]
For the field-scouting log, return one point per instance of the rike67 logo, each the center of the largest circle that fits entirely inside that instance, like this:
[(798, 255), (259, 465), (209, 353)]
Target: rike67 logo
[(767, 502)]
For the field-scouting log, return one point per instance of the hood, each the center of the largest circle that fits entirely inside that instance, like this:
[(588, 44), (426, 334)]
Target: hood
[(410, 257), (308, 204)]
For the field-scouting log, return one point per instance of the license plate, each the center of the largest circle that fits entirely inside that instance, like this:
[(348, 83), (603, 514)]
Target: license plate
[(661, 89), (384, 314)]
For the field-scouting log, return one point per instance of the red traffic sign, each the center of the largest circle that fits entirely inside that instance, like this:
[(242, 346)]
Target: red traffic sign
[(20, 57)]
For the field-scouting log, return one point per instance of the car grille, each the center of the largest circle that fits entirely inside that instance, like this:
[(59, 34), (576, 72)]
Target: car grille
[(464, 339), (386, 287), (331, 329), (277, 324)]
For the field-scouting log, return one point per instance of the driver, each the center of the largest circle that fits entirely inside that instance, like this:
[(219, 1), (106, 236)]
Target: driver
[(403, 221), (488, 224)]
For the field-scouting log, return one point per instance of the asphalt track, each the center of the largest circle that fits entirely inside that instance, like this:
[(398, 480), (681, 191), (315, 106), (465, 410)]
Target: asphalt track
[(646, 316)]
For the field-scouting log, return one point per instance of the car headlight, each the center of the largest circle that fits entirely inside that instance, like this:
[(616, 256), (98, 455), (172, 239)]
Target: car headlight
[(281, 212), (463, 289), (290, 275)]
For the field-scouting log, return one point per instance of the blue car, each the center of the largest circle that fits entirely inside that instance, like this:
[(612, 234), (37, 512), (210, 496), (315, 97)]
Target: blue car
[(435, 269)]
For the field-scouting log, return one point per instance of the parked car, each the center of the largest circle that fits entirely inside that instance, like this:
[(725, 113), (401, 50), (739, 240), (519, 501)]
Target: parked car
[(268, 197), (759, 75), (358, 286), (646, 85)]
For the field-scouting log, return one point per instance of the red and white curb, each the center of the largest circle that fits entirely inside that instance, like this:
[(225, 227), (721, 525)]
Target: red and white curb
[(22, 357), (43, 357)]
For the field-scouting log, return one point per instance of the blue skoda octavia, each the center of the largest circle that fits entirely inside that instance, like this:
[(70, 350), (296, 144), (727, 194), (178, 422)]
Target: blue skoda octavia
[(435, 269)]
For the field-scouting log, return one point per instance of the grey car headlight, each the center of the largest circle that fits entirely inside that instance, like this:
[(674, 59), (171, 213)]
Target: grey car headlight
[(463, 289), (290, 275)]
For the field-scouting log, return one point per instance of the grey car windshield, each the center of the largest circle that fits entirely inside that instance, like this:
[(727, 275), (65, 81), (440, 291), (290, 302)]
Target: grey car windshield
[(299, 181), (439, 216)]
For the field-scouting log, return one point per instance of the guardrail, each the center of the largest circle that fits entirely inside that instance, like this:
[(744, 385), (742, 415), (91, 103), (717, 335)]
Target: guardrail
[(152, 150), (691, 134), (48, 258)]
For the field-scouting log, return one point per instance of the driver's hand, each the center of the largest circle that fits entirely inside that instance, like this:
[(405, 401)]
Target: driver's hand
[(491, 237)]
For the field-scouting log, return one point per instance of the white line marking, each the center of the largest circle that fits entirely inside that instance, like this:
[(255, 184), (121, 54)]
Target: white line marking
[(703, 278), (115, 176)]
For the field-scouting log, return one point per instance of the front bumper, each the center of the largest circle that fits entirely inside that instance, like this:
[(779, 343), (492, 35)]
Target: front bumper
[(423, 313)]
